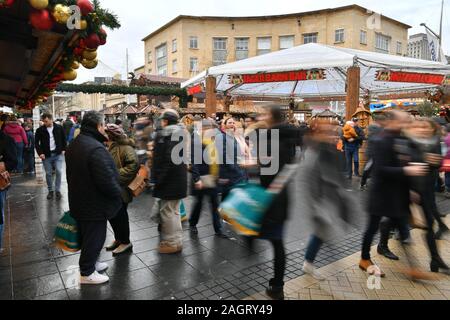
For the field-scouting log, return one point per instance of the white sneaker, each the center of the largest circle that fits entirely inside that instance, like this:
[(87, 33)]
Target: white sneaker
[(309, 268), (100, 266), (95, 278)]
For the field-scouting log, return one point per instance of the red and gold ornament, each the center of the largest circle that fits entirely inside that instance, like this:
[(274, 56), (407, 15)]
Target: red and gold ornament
[(41, 20)]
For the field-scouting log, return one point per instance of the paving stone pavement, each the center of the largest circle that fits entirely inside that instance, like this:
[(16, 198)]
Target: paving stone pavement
[(208, 268), (343, 280)]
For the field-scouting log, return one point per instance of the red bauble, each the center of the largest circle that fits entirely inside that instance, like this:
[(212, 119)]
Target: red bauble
[(7, 3), (78, 51), (85, 6), (103, 35), (92, 41), (41, 20)]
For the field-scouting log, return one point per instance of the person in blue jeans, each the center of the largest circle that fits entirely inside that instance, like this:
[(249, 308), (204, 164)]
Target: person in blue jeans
[(351, 148), (28, 154), (50, 144)]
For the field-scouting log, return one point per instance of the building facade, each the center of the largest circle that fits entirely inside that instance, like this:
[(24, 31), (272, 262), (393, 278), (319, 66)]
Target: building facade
[(418, 47), (188, 45)]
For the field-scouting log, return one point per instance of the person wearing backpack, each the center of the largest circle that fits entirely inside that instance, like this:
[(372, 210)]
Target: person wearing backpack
[(127, 163)]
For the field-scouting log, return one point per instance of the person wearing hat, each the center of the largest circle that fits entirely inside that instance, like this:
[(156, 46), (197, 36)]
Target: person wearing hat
[(122, 151), (170, 179)]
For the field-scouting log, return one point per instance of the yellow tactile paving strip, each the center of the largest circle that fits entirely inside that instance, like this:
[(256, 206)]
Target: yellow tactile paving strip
[(345, 281)]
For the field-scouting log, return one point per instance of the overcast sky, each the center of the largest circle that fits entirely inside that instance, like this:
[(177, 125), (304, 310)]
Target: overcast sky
[(141, 17)]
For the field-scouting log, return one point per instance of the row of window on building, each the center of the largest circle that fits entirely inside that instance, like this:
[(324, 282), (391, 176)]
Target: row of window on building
[(264, 46)]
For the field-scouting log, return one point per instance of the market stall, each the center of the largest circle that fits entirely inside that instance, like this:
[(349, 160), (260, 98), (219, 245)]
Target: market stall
[(315, 70)]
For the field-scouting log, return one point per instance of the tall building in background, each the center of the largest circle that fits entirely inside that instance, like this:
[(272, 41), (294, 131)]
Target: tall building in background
[(418, 47), (188, 45)]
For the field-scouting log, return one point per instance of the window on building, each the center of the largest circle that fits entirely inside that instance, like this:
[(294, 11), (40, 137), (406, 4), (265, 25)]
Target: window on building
[(174, 45), (193, 42), (241, 48), (382, 42), (174, 66), (193, 65), (161, 60), (287, 42), (339, 36), (363, 37), (264, 45), (310, 38), (219, 51), (399, 47)]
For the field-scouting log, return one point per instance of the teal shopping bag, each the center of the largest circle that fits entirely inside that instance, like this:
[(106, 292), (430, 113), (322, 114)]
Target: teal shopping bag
[(245, 208), (183, 211), (67, 236)]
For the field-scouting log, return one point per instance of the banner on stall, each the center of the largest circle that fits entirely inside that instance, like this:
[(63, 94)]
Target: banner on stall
[(302, 75), (196, 89), (412, 77)]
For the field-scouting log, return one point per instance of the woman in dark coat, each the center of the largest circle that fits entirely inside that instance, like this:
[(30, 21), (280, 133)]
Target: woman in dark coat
[(127, 163), (277, 214)]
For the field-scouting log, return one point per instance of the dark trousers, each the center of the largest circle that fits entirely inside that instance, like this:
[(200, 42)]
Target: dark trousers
[(121, 225), (367, 172), (386, 227), (28, 157), (431, 213), (280, 262), (197, 209), (93, 236), (352, 157), (372, 229), (314, 245)]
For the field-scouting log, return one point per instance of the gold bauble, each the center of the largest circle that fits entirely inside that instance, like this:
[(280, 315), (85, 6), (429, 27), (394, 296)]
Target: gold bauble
[(38, 4), (89, 64), (61, 13), (83, 25), (70, 75), (75, 65), (89, 55)]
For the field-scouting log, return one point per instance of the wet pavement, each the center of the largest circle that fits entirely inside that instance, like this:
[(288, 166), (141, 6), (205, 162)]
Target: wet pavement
[(208, 268)]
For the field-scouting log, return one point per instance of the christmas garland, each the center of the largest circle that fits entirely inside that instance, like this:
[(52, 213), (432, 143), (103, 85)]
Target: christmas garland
[(115, 89), (86, 19)]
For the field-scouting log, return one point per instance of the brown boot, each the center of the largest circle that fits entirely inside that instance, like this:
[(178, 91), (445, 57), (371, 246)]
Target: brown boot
[(417, 274), (165, 248), (371, 268)]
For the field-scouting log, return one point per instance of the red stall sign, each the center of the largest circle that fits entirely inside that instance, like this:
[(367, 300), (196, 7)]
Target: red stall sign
[(302, 75), (411, 77)]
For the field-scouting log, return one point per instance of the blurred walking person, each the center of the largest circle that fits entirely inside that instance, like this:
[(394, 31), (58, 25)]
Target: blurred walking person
[(8, 161), (50, 143), (390, 194), (231, 154), (205, 175), (170, 182), (28, 154), (14, 130), (327, 205), (127, 163), (277, 214), (95, 195)]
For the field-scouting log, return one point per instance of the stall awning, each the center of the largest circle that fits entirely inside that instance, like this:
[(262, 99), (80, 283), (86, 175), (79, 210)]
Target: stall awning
[(289, 73)]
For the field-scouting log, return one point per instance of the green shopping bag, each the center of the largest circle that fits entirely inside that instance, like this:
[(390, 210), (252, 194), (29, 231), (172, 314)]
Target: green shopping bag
[(67, 236)]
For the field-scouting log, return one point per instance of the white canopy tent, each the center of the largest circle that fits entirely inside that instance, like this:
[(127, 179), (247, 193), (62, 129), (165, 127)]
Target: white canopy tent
[(334, 60)]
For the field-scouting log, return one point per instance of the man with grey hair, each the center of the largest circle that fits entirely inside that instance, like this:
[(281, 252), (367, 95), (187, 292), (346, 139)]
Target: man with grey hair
[(94, 193)]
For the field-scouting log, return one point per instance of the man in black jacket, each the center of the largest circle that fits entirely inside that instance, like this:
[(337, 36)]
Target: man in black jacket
[(94, 193), (170, 181), (9, 159), (50, 144)]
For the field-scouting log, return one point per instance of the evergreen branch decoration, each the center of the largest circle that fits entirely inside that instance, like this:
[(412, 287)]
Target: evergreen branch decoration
[(108, 18), (116, 89)]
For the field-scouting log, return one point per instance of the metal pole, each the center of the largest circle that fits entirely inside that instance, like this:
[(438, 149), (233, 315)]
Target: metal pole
[(53, 106)]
